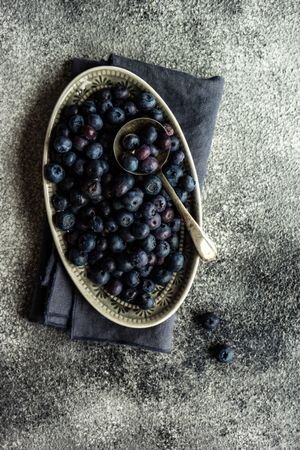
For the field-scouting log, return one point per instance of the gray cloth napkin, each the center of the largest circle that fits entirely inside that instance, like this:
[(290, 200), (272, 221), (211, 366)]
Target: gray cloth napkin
[(56, 301)]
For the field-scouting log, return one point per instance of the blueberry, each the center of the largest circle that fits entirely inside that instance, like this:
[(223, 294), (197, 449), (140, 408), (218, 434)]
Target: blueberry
[(62, 144), (101, 244), (152, 185), (175, 143), (104, 208), (125, 218), (108, 264), (164, 143), (210, 321), (146, 301), (154, 151), (124, 183), (115, 116), (143, 152), (75, 123), (166, 195), (132, 278), (110, 225), (72, 237), (88, 107), (65, 220), (93, 169), (139, 258), (88, 132), (87, 212), (175, 262), (157, 114), (87, 242), (92, 189), (149, 135), (126, 235), (145, 271), (177, 157), (163, 232), (77, 198), (103, 94), (129, 294), (120, 92), (149, 210), (183, 195), (140, 230), (96, 224), (147, 286), (167, 215), (106, 178), (78, 167), (129, 162), (162, 249), (146, 101), (130, 109), (70, 110), (59, 202), (94, 150), (187, 183), (154, 222), (149, 165), (131, 141), (105, 106), (66, 185), (54, 172), (77, 257), (173, 173), (132, 201), (149, 243), (175, 225), (116, 243), (99, 276), (169, 130), (95, 121), (160, 260), (151, 259), (124, 264), (68, 159), (224, 353), (162, 276), (95, 256), (173, 242), (114, 287), (104, 165), (160, 203)]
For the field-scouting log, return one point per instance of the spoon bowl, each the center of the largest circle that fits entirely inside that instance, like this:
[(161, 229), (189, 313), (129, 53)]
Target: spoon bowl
[(134, 126)]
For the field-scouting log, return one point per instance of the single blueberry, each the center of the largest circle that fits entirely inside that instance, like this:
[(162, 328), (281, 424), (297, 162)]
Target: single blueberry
[(164, 143), (99, 276), (77, 198), (88, 107), (148, 135), (132, 278), (143, 152), (77, 257), (173, 173), (224, 354), (94, 150), (54, 172), (156, 114), (130, 109), (132, 200), (168, 129), (103, 94), (75, 123), (116, 243), (175, 143), (187, 183), (149, 165), (162, 249), (108, 264), (125, 218), (115, 116), (145, 271), (152, 184), (154, 222), (129, 162), (95, 121), (140, 230), (114, 287), (86, 242), (167, 215), (110, 225), (104, 165), (148, 210), (126, 235), (146, 301), (149, 243), (173, 242), (177, 157), (160, 203), (79, 143), (183, 195), (162, 276), (129, 294), (163, 232), (175, 262), (146, 101), (62, 144), (105, 106), (131, 141), (148, 286), (59, 202), (154, 151), (139, 258), (209, 321), (93, 169), (123, 184), (124, 264), (120, 92), (88, 132), (65, 220), (78, 167), (68, 159), (96, 224), (175, 224), (92, 189)]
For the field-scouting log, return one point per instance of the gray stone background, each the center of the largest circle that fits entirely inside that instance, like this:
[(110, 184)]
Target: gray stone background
[(57, 394)]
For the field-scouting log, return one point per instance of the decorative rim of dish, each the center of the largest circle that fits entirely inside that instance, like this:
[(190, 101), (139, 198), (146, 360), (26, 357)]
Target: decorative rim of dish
[(75, 90)]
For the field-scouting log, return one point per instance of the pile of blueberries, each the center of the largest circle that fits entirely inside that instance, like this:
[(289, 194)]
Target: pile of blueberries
[(122, 227)]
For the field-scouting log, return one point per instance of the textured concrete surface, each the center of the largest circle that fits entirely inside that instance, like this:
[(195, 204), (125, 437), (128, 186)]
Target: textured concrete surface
[(57, 394)]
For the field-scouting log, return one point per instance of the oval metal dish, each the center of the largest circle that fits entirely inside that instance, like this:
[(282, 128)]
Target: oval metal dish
[(169, 298)]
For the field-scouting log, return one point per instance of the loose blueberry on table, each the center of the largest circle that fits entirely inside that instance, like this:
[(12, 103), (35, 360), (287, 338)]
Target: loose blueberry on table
[(122, 228)]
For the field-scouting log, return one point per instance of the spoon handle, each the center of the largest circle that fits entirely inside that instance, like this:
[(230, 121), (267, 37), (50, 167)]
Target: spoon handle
[(204, 246)]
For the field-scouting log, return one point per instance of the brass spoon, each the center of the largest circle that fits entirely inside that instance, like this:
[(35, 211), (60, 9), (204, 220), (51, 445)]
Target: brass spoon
[(203, 244)]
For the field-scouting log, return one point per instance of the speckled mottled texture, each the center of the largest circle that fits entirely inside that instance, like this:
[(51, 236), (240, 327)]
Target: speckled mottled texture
[(57, 394)]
